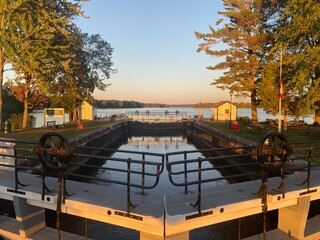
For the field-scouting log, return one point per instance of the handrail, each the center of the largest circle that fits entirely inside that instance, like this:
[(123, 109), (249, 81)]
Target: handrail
[(179, 165), (184, 166), (143, 166)]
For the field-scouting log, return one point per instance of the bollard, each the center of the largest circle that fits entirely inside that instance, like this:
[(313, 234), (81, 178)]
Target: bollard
[(235, 126), (7, 126), (80, 126)]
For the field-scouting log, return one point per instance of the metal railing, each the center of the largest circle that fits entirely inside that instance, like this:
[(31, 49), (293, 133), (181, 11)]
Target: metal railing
[(27, 158), (206, 174), (185, 168), (139, 165)]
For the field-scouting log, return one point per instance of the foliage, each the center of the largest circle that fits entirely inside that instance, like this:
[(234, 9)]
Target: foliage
[(17, 119), (7, 8), (299, 31), (244, 43), (88, 70), (117, 104), (297, 42), (35, 96), (160, 105), (257, 35), (268, 91), (97, 62), (210, 105), (10, 104), (40, 31)]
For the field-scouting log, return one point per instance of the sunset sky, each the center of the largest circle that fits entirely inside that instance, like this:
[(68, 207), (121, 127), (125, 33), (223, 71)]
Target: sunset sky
[(155, 49)]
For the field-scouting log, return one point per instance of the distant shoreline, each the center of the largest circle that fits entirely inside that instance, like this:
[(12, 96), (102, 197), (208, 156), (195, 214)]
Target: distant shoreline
[(117, 104)]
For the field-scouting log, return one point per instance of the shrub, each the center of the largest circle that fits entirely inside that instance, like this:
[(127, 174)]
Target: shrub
[(16, 121)]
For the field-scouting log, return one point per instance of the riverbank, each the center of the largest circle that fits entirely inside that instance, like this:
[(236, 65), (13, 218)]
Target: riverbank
[(69, 130), (304, 133)]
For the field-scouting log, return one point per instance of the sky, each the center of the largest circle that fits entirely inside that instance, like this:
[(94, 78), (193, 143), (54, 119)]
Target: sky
[(155, 49)]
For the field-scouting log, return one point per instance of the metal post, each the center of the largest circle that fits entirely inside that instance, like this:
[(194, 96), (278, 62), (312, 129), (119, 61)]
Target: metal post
[(143, 173), (199, 185), (279, 117), (280, 97), (231, 94), (185, 174), (128, 186), (15, 169)]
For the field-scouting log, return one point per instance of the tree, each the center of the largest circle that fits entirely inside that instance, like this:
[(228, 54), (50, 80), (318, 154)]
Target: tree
[(41, 33), (296, 34), (90, 68), (10, 104), (7, 8), (25, 90), (299, 29), (245, 43)]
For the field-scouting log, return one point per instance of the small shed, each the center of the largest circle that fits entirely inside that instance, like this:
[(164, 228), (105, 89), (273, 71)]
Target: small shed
[(224, 111), (86, 111)]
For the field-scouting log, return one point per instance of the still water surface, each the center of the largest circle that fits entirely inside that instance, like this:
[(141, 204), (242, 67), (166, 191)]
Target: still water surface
[(206, 112)]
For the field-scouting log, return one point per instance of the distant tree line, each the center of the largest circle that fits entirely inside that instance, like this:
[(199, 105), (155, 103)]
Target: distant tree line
[(210, 105), (117, 104), (134, 104), (161, 105)]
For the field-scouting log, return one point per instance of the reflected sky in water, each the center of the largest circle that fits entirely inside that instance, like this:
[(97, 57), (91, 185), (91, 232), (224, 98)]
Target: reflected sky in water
[(162, 145)]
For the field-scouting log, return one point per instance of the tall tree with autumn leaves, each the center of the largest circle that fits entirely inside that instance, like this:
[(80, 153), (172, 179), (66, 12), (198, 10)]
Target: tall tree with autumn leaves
[(40, 50), (7, 10), (51, 57), (241, 40)]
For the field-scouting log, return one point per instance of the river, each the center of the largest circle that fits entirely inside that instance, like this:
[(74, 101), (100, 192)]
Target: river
[(206, 112)]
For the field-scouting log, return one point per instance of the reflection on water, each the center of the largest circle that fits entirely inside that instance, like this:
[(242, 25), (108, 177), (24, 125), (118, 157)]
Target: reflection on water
[(158, 144)]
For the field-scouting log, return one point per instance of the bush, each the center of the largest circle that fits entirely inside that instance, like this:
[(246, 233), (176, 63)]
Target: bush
[(16, 121)]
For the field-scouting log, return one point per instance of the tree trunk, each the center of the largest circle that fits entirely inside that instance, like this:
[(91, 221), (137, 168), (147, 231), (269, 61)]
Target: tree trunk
[(26, 101), (254, 108), (74, 115), (25, 114)]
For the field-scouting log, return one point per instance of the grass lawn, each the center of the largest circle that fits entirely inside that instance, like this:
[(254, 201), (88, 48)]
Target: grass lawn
[(69, 131), (293, 134)]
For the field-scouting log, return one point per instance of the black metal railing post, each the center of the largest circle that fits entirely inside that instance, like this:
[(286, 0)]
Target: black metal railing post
[(185, 173), (16, 180), (198, 203), (143, 173), (128, 185), (309, 168)]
